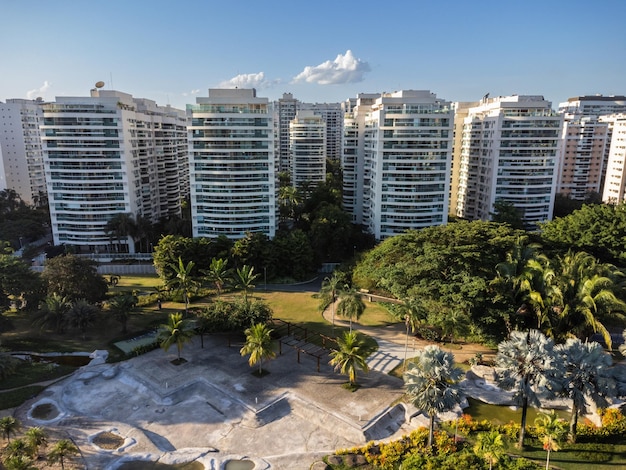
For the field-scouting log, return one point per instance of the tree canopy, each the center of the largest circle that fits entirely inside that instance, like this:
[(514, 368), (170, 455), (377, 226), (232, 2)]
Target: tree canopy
[(74, 278)]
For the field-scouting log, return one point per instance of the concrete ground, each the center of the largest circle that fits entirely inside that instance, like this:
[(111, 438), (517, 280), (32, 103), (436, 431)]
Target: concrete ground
[(213, 409)]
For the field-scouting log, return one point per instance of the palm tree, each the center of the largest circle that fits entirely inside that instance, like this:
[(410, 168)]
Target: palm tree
[(121, 306), (53, 311), (82, 315), (524, 363), (350, 356), (9, 425), (218, 273), (289, 198), (550, 428), (176, 331), (584, 374), (489, 446), (351, 305), (184, 281), (61, 450), (36, 438), (432, 383), (258, 345), (587, 293), (121, 226), (18, 461), (331, 289), (244, 280)]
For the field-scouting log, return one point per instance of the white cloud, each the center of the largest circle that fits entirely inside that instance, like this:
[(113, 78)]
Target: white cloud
[(344, 69), (37, 92), (195, 91), (249, 80)]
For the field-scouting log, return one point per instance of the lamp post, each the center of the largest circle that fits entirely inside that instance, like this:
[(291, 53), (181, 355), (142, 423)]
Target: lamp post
[(406, 343), (21, 244), (265, 277)]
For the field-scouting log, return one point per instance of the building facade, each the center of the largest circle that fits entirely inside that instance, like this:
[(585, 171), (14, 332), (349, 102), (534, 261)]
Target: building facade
[(21, 155), (307, 141), (110, 154), (586, 142), (509, 153), (401, 144), (614, 191), (233, 164)]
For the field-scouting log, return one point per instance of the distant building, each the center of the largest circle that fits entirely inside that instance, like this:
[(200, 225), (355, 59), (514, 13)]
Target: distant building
[(615, 183), (110, 154), (307, 141), (586, 143), (508, 153), (233, 164), (21, 156), (332, 115), (401, 144)]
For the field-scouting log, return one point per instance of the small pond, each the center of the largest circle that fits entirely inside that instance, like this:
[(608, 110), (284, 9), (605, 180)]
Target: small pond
[(74, 360), (144, 465), (239, 465), (45, 412)]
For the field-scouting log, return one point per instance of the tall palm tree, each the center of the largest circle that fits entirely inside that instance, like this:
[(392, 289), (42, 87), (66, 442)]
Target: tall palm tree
[(82, 315), (350, 356), (289, 198), (244, 280), (121, 306), (61, 450), (584, 374), (258, 345), (184, 281), (119, 227), (524, 363), (489, 446), (176, 331), (331, 289), (53, 311), (9, 425), (432, 384), (218, 273), (587, 290), (16, 459), (36, 438), (550, 429), (351, 305)]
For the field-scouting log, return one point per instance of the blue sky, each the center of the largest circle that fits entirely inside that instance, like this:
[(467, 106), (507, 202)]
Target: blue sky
[(321, 51)]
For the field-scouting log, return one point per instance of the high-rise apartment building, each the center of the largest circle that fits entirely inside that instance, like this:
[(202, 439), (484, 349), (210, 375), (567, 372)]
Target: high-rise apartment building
[(406, 142), (586, 143), (110, 154), (508, 153), (233, 164), (307, 140), (615, 183), (332, 115), (21, 156)]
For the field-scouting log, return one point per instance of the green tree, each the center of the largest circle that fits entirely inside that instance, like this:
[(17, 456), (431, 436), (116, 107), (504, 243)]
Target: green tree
[(176, 331), (36, 437), (587, 296), (505, 212), (121, 306), (550, 429), (524, 363), (599, 229), (53, 312), (244, 280), (9, 425), (74, 278), (82, 315), (199, 250), (288, 200), (219, 274), (18, 461), (351, 305), (184, 281), (489, 447), (584, 374), (62, 449), (121, 227), (258, 345), (18, 283), (350, 356), (432, 384), (331, 288)]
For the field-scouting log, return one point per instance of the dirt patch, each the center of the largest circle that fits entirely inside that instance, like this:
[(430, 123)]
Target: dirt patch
[(45, 412)]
